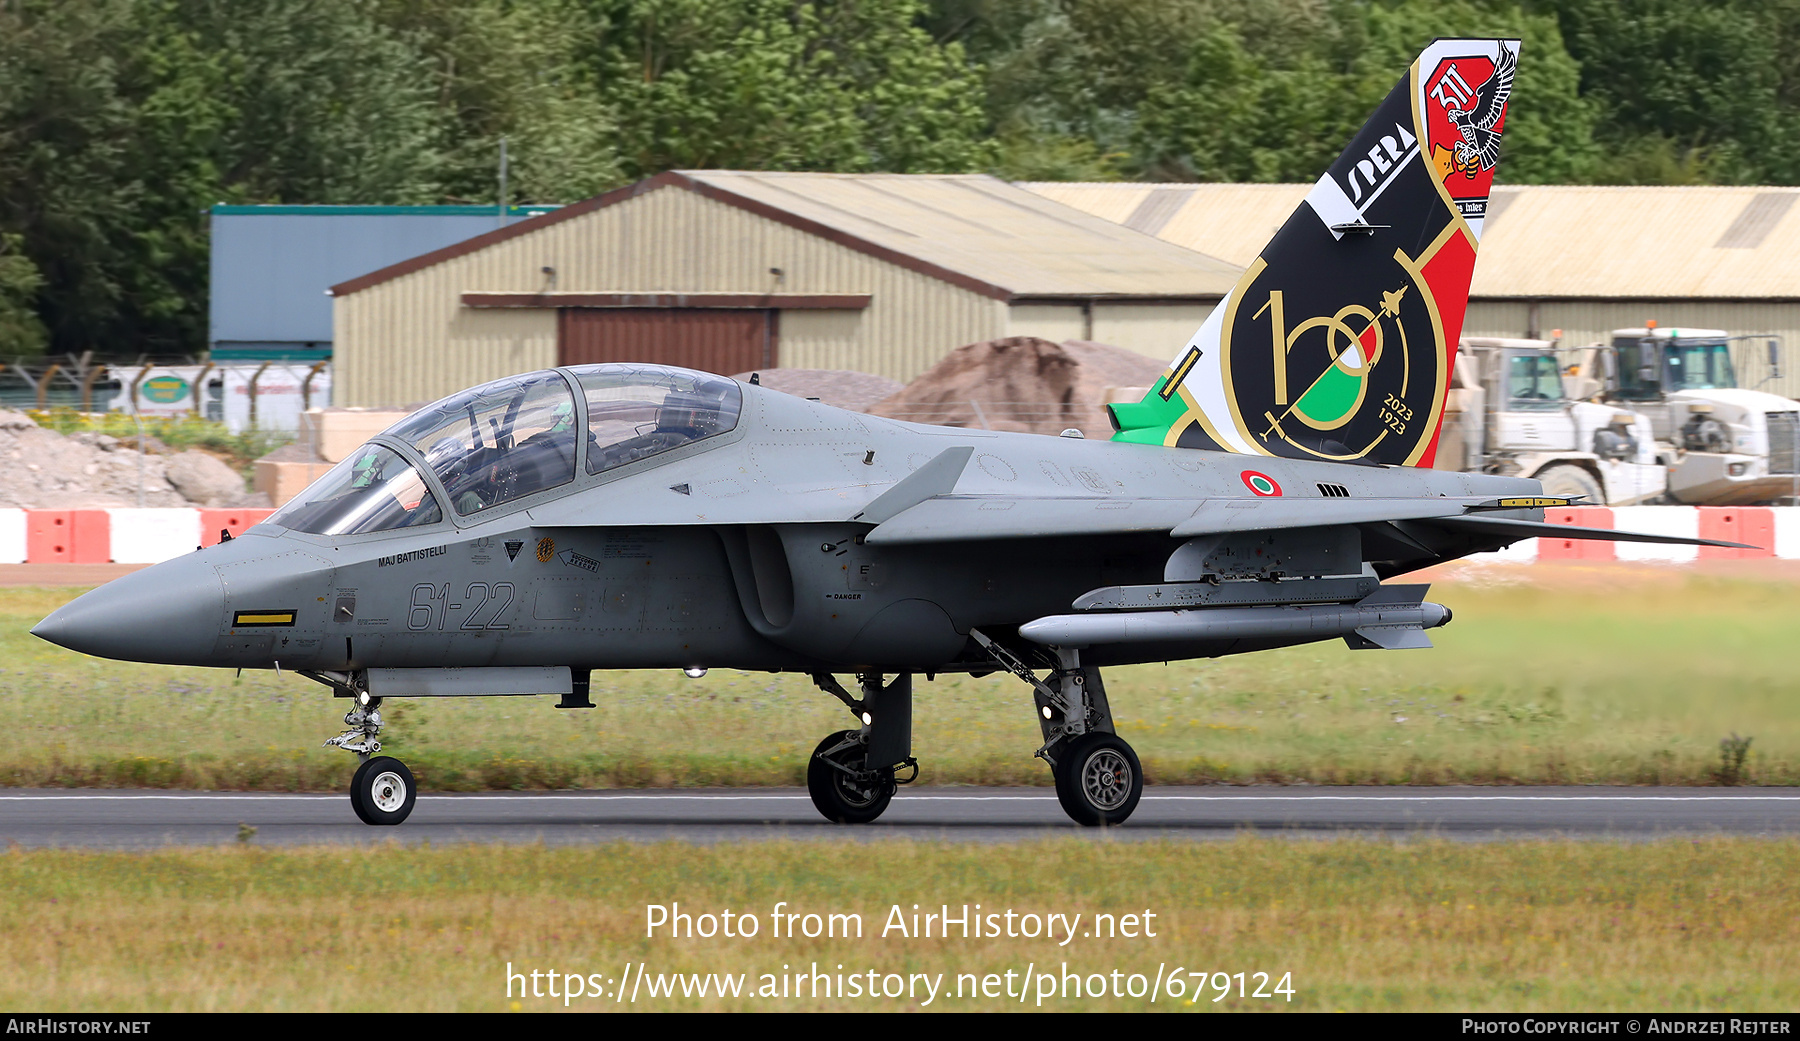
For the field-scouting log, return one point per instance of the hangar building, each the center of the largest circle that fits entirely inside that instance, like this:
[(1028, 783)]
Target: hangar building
[(1582, 259), (735, 271)]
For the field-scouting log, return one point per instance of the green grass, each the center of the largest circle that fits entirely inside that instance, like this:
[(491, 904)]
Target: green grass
[(1633, 683), (178, 432), (1668, 926)]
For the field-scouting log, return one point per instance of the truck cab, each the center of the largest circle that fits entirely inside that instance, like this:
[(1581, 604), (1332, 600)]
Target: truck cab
[(1724, 445), (1508, 413)]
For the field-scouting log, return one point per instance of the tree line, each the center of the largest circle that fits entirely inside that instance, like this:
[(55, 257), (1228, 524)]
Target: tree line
[(123, 121)]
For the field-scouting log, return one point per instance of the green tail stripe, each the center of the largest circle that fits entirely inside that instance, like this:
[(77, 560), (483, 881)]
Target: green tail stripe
[(1148, 421)]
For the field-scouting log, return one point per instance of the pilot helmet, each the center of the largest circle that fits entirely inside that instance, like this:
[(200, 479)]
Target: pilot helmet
[(367, 468)]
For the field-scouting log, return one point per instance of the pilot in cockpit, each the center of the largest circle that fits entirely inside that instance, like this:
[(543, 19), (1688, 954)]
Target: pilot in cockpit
[(685, 415)]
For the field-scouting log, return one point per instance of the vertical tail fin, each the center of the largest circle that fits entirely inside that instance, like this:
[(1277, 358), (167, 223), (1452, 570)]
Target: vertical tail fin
[(1338, 340)]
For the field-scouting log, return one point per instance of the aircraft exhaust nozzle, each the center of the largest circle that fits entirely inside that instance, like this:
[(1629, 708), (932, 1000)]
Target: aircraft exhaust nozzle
[(1392, 617)]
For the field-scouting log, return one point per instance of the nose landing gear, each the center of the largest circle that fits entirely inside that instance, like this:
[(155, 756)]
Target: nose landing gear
[(382, 791)]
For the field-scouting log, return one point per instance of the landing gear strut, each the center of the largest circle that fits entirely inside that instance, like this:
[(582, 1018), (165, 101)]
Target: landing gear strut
[(851, 775), (382, 792), (1098, 777)]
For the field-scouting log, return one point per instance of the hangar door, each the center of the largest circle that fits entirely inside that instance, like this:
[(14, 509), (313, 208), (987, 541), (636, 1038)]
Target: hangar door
[(721, 340)]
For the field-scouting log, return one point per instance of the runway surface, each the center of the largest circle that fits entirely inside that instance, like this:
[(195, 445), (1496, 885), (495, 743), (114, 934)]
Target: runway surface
[(120, 819)]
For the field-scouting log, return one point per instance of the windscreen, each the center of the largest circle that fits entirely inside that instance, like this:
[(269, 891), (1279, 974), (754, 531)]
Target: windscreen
[(1700, 366), (1533, 382), (637, 411), (498, 442), (373, 489), (1639, 377)]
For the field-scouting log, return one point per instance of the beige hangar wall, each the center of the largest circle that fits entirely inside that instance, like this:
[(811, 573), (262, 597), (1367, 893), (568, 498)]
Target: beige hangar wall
[(410, 339)]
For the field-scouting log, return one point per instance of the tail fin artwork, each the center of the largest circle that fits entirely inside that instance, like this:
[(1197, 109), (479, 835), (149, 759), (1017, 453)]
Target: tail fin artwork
[(1337, 341)]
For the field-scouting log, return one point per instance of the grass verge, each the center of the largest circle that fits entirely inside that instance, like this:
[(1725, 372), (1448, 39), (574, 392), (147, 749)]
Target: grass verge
[(1670, 926)]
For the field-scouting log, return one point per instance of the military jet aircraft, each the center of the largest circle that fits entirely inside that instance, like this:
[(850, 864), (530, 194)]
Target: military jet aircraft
[(513, 538)]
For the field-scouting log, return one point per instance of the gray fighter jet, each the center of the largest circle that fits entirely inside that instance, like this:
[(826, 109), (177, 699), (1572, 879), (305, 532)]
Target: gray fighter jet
[(516, 537)]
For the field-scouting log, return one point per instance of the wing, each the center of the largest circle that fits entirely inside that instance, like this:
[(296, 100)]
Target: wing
[(962, 518), (968, 518)]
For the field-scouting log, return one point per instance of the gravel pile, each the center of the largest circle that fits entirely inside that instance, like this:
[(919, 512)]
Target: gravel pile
[(1023, 383), (41, 469)]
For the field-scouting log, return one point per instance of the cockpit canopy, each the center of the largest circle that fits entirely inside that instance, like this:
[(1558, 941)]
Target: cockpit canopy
[(498, 442), (512, 438), (373, 489), (637, 411)]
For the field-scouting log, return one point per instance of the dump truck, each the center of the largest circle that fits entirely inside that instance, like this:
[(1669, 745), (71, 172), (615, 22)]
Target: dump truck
[(1507, 413), (1724, 445)]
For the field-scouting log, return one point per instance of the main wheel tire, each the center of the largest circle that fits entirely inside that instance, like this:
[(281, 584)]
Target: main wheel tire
[(356, 802), (384, 791), (837, 795), (1566, 481), (1098, 780)]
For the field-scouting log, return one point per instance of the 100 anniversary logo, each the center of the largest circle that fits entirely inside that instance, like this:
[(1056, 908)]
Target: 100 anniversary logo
[(1333, 344)]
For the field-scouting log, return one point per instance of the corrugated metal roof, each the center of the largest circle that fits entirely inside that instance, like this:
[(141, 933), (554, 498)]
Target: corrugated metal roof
[(1540, 241), (970, 229), (987, 229)]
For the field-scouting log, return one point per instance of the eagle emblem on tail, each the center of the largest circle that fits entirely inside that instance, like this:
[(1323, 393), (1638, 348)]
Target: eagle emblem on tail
[(1479, 148)]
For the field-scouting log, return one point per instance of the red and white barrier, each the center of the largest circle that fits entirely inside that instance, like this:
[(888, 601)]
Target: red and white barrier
[(129, 536), (1775, 531), (116, 536)]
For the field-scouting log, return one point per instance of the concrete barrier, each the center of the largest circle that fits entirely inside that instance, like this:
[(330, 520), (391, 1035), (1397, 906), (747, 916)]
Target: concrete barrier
[(115, 536)]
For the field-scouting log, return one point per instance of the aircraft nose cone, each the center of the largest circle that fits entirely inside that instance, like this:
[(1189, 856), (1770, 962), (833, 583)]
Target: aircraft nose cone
[(169, 614)]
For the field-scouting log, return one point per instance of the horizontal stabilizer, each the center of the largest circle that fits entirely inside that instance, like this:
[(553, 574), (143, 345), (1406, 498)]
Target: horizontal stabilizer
[(1523, 529)]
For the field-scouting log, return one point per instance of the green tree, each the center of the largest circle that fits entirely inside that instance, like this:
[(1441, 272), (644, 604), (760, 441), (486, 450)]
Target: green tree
[(1257, 91), (20, 330), (513, 70), (785, 85), (1689, 91), (122, 120)]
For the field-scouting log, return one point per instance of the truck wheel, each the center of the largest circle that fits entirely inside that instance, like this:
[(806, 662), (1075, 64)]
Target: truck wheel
[(1565, 481)]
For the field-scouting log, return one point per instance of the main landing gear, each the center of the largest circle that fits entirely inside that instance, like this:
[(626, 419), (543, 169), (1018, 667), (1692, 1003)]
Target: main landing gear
[(1098, 777), (851, 775), (383, 790)]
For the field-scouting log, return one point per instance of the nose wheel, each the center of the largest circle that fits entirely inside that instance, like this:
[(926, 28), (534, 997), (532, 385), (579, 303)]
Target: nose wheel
[(383, 791)]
